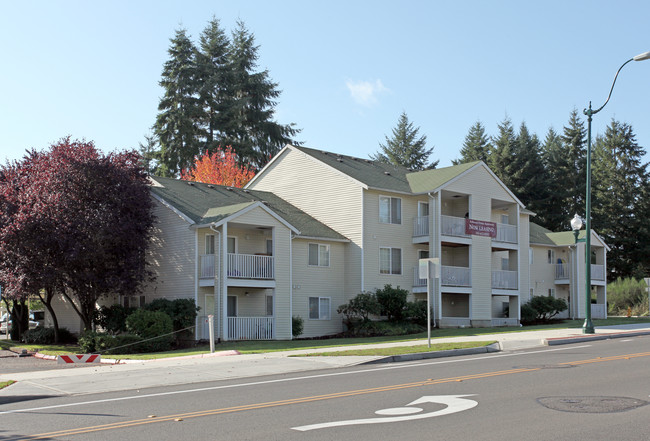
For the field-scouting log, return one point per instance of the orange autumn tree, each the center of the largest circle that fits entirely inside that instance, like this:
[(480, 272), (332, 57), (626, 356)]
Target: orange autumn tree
[(220, 168)]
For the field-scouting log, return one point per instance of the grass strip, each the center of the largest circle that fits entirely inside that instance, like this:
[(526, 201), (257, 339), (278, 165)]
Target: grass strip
[(4, 384), (399, 350)]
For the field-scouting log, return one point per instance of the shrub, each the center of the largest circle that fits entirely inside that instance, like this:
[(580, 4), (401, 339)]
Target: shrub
[(87, 342), (383, 328), (416, 312), (528, 314), (45, 336), (627, 293), (360, 307), (113, 318), (297, 326), (154, 325), (183, 313), (392, 302), (99, 342)]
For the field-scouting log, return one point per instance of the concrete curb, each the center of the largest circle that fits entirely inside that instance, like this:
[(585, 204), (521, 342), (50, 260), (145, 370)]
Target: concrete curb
[(593, 337), (494, 347), (128, 360)]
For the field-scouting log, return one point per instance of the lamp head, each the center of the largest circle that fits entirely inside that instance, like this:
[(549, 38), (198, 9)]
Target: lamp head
[(641, 57), (576, 223)]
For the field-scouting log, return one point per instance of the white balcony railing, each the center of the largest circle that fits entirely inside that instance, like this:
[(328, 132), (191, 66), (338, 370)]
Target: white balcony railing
[(240, 266), (250, 328), (597, 272), (420, 226), (206, 266), (561, 271), (506, 233), (250, 266), (453, 226), (449, 276), (455, 276), (504, 279)]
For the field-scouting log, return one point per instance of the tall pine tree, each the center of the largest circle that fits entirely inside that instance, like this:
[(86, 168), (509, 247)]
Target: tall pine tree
[(476, 146), (177, 123), (405, 148), (555, 215), (527, 173), (574, 145), (502, 156), (618, 180)]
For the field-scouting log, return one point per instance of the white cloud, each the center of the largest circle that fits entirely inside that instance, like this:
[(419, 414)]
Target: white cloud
[(366, 92)]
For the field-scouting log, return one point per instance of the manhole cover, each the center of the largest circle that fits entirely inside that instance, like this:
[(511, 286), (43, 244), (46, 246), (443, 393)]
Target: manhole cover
[(591, 404)]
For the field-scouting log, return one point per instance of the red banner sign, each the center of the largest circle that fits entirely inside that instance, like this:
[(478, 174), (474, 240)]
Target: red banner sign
[(481, 228)]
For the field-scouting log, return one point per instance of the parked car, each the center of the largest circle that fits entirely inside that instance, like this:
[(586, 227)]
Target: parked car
[(5, 322)]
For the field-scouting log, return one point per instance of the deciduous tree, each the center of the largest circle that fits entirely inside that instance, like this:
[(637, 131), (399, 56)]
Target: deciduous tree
[(221, 167)]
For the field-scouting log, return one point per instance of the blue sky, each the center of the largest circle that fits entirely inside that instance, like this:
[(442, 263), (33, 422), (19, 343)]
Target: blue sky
[(347, 69)]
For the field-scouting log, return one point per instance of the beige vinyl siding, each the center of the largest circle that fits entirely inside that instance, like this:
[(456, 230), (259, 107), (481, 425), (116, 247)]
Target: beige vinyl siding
[(171, 256), (325, 194), (66, 316), (385, 235), (315, 281), (480, 183), (542, 273), (524, 267)]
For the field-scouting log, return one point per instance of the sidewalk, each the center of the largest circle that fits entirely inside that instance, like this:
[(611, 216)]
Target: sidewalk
[(189, 370)]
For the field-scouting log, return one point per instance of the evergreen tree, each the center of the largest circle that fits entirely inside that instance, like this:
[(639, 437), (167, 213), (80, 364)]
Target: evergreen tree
[(476, 146), (177, 125), (213, 76), (574, 144), (527, 174), (555, 215), (618, 181), (501, 159), (149, 154), (405, 148), (249, 127)]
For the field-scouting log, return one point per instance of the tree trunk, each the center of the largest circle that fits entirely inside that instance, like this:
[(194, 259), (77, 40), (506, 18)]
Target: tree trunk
[(47, 301)]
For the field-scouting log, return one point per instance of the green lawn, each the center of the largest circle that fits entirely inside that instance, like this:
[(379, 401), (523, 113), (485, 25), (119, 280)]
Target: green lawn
[(252, 347), (401, 350), (4, 384)]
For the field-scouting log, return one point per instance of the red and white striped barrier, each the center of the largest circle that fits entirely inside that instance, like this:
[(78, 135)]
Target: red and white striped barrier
[(78, 358)]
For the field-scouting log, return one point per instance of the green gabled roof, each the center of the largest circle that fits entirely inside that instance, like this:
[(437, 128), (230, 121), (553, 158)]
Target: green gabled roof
[(204, 204), (379, 175), (541, 236), (373, 174), (429, 180)]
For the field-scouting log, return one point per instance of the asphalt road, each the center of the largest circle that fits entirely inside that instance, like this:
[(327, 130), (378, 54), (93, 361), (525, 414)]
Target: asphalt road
[(595, 391)]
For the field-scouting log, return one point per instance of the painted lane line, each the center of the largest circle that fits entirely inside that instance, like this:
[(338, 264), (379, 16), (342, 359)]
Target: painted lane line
[(283, 380)]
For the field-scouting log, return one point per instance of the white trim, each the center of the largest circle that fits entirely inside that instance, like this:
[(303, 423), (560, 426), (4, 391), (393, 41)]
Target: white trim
[(290, 285), (196, 281), (401, 261), (318, 264), (224, 280), (329, 308), (363, 240), (322, 239), (236, 243), (172, 208), (390, 209), (248, 208)]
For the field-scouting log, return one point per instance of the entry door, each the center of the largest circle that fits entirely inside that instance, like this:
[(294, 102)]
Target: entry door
[(232, 306)]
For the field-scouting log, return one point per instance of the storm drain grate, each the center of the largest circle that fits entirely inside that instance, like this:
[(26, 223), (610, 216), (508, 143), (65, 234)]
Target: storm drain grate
[(591, 404)]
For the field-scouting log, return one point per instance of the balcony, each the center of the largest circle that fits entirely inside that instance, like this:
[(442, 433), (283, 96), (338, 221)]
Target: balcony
[(504, 279), (453, 226), (561, 271), (449, 276), (251, 328), (240, 266), (420, 226), (506, 233)]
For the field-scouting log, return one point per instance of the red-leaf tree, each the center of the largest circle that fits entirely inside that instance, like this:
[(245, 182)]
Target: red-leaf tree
[(74, 221), (220, 167)]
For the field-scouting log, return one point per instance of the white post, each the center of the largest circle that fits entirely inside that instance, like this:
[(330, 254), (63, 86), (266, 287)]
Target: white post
[(647, 282), (211, 330), (429, 268)]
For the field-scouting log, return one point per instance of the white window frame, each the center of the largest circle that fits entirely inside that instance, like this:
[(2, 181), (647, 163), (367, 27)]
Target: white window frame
[(550, 256), (211, 241), (270, 306), (318, 255), (390, 261), (551, 292), (389, 219), (236, 244), (129, 301), (324, 311), (420, 209), (505, 264)]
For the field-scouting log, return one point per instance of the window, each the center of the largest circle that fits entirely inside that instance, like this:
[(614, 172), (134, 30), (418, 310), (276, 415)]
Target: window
[(232, 245), (551, 256), (505, 264), (269, 306), (319, 255), (390, 260), (269, 247), (390, 210), (423, 254), (530, 256), (505, 219), (319, 308), (551, 292), (423, 209), (209, 244), (133, 301)]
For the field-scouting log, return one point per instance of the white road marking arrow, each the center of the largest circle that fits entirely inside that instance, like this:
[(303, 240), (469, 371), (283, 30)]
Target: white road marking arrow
[(455, 403)]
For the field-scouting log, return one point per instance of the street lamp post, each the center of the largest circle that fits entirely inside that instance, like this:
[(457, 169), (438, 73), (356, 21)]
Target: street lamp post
[(588, 326)]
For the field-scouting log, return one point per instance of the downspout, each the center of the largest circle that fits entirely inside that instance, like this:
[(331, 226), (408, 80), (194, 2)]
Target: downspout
[(217, 276), (435, 251), (196, 280), (291, 238), (363, 248)]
